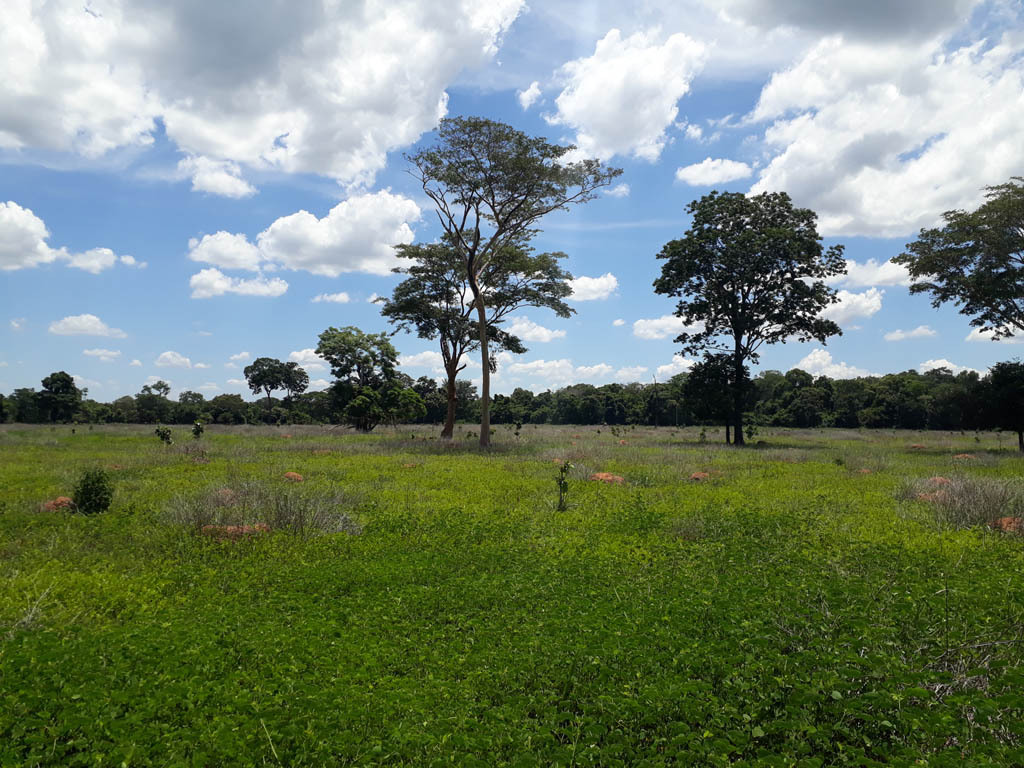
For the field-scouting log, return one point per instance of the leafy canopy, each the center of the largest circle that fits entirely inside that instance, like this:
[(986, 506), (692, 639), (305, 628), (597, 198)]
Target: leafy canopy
[(749, 271), (360, 359), (976, 261)]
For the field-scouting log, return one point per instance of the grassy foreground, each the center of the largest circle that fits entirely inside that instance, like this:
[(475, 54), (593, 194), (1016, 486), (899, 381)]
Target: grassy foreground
[(789, 610)]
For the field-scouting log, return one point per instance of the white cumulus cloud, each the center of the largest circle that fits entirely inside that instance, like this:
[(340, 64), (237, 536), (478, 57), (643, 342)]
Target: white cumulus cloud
[(593, 288), (216, 177), (679, 364), (931, 365), (306, 358), (171, 359), (104, 355), (658, 327), (979, 335), (333, 298), (921, 332), (85, 325), (617, 322), (713, 171), (526, 329), (854, 305), (631, 373), (136, 363), (528, 97), (872, 273), (212, 282), (621, 99), (818, 362), (619, 190)]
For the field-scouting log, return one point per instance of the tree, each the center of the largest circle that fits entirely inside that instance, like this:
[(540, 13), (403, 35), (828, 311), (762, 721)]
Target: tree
[(369, 387), (435, 302), (1006, 398), (265, 374), (749, 271), (706, 383), (491, 184), (59, 397), (295, 380), (976, 261)]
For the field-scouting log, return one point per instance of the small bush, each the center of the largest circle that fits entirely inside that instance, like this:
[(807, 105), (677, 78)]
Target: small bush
[(94, 492), (164, 433), (197, 430)]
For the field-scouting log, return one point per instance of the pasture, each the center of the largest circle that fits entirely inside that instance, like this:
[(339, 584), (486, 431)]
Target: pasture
[(817, 599)]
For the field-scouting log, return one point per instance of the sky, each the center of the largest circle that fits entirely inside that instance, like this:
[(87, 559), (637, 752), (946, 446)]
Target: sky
[(187, 186)]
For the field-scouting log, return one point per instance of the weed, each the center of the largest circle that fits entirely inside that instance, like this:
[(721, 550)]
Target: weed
[(563, 486), (94, 492)]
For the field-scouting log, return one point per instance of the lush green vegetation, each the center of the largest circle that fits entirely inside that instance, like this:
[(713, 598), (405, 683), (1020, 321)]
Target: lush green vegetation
[(790, 610)]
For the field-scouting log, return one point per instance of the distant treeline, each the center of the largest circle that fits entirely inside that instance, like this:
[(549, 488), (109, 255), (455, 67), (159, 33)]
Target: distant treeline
[(937, 399)]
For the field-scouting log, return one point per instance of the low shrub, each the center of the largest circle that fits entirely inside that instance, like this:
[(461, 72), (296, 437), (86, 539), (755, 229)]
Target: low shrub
[(251, 504), (94, 492)]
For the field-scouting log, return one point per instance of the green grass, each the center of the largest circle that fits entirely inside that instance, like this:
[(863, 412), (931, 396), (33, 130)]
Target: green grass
[(789, 611)]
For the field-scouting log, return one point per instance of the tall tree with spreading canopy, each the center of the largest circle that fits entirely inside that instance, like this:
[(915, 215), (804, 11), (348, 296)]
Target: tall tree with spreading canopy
[(266, 374), (60, 397), (491, 184), (435, 301), (976, 261), (1006, 398), (749, 271)]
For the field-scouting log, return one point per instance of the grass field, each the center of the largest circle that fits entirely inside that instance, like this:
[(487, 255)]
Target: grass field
[(422, 604)]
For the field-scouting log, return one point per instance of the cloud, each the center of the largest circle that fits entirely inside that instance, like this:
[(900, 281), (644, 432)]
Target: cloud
[(921, 332), (18, 323), (593, 372), (85, 325), (881, 137), (136, 363), (318, 385), (356, 235), (818, 362), (201, 365), (658, 327), (225, 250), (212, 282), (618, 322), (426, 359), (207, 387), (593, 288), (23, 237), (709, 172), (931, 365), (979, 335), (526, 329), (528, 97), (238, 382), (631, 373), (853, 305), (306, 358), (553, 372), (104, 355), (323, 88), (171, 359), (679, 364), (83, 383), (621, 99), (333, 298), (237, 358), (619, 190), (216, 177), (871, 273)]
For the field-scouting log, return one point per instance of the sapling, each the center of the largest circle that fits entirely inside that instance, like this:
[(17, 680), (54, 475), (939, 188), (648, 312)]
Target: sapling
[(563, 486)]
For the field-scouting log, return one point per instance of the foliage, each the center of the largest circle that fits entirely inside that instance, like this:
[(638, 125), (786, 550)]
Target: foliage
[(792, 612), (60, 398), (563, 486), (94, 492), (1006, 398), (490, 185), (976, 261), (197, 430), (435, 301), (749, 271), (164, 433)]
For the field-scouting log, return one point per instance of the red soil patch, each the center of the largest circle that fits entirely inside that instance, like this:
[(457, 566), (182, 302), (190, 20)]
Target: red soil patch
[(608, 477), (409, 466), (293, 477), (116, 466), (287, 437), (917, 446), (623, 442), (1008, 524), (61, 502), (939, 481), (234, 532), (965, 456), (573, 442), (577, 436), (863, 471), (699, 477), (936, 497)]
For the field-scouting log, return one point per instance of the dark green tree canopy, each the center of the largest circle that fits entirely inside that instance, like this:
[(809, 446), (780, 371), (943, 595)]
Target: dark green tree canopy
[(60, 397), (294, 379), (1006, 398), (265, 374), (749, 271), (976, 261), (360, 359)]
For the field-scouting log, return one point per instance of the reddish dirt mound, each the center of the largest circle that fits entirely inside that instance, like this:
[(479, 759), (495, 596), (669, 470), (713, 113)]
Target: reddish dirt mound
[(1008, 524), (116, 466), (965, 456), (699, 477), (409, 466), (863, 471), (234, 532), (293, 477), (287, 437), (936, 497), (623, 442), (917, 446), (608, 477), (61, 502), (577, 436), (938, 481)]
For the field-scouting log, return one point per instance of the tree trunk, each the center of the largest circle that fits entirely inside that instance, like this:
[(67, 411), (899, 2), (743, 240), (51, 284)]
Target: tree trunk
[(449, 422), (727, 438), (1020, 440), (737, 398), (485, 367)]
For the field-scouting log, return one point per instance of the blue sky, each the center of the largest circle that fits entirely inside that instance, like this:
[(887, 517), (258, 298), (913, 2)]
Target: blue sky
[(180, 182)]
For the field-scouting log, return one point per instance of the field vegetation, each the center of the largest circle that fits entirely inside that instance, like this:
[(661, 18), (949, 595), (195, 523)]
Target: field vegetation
[(824, 597)]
